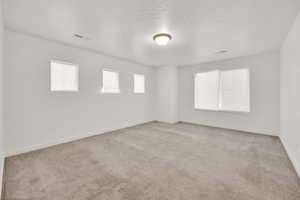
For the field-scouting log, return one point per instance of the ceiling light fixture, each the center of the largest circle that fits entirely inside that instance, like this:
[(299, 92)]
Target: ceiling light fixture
[(162, 39)]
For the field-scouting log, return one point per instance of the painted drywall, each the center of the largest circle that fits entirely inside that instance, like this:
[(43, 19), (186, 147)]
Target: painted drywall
[(167, 94), (290, 94), (36, 117), (1, 99), (264, 95)]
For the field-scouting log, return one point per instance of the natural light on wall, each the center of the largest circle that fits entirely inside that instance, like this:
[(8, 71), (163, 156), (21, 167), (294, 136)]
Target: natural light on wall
[(64, 76), (139, 83), (223, 90), (110, 82)]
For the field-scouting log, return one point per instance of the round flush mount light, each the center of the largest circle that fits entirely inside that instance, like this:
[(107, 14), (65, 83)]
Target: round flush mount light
[(162, 39)]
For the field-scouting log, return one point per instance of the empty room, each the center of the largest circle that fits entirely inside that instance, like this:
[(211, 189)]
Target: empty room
[(149, 99)]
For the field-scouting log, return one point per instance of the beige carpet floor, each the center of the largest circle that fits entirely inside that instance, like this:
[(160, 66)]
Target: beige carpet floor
[(156, 161)]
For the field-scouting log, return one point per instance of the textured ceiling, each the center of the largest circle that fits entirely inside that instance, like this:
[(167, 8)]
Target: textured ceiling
[(124, 28)]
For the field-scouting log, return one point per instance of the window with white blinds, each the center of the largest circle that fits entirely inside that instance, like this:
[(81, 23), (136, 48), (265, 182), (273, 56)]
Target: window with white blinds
[(110, 82), (139, 83), (223, 90), (64, 76), (207, 90)]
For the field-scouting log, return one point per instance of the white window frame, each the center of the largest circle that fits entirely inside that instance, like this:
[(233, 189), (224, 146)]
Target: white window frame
[(65, 63), (144, 89), (102, 87), (219, 92)]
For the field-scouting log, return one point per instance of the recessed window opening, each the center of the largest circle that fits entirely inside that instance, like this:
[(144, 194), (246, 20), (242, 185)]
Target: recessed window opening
[(110, 82), (139, 83), (64, 76)]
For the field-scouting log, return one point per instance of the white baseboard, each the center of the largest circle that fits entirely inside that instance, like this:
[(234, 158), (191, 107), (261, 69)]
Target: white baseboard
[(291, 155), (168, 122), (231, 128), (65, 140)]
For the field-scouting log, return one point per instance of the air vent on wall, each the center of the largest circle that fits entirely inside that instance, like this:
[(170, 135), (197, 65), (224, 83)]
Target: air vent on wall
[(81, 37), (221, 51), (78, 36)]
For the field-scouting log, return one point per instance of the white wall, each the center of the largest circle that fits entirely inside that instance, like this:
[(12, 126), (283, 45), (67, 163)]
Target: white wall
[(36, 117), (290, 94), (1, 99), (167, 94), (264, 95)]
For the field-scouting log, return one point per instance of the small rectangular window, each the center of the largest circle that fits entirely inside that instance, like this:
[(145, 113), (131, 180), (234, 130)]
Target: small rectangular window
[(139, 83), (64, 76), (110, 82)]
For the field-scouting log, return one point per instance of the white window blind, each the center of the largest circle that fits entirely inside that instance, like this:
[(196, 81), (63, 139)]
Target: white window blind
[(234, 90), (64, 76), (110, 82), (223, 90), (139, 83), (207, 90)]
